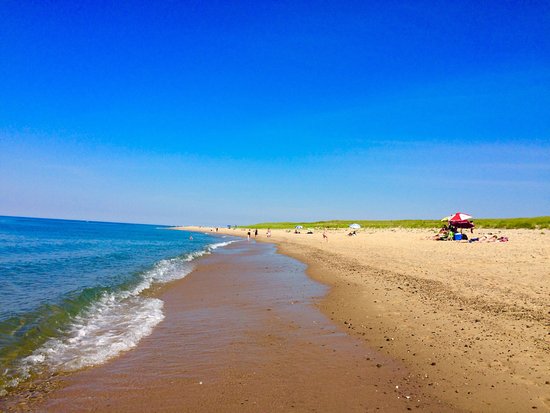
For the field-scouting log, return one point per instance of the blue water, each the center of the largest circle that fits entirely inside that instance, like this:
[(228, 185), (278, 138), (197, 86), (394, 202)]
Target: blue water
[(75, 293)]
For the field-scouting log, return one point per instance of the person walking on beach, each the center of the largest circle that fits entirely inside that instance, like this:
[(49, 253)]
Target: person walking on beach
[(255, 232), (268, 233), (248, 235), (325, 235)]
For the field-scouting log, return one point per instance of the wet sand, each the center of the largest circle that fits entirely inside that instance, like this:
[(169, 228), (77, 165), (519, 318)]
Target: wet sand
[(469, 321), (242, 333)]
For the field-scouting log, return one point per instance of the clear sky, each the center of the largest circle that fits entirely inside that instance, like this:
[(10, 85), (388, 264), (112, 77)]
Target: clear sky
[(217, 112)]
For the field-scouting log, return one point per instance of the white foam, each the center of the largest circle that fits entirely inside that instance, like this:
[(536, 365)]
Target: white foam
[(221, 244), (114, 324), (110, 326)]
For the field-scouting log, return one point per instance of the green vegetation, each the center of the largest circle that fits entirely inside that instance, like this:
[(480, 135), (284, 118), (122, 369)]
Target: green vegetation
[(504, 223), (515, 223)]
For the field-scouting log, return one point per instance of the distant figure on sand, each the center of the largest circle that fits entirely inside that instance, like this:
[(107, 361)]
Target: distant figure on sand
[(325, 236), (268, 233), (255, 232), (248, 235)]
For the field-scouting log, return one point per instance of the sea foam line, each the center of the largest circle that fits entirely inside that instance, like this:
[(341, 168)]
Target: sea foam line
[(113, 324)]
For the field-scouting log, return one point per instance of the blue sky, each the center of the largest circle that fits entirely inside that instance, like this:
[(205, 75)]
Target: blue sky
[(216, 113)]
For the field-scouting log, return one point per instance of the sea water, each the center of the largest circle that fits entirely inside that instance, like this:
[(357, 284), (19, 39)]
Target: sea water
[(75, 293)]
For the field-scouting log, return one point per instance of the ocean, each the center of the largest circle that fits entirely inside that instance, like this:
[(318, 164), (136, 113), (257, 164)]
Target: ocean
[(75, 293)]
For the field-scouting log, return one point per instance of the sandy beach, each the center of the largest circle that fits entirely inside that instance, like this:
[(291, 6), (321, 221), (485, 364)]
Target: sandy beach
[(241, 333), (469, 320), (405, 323)]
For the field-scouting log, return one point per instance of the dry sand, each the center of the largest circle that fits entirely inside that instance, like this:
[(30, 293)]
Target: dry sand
[(470, 320)]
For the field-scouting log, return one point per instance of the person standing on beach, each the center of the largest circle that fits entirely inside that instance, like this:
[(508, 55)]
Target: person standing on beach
[(248, 235), (268, 233), (325, 235), (255, 232)]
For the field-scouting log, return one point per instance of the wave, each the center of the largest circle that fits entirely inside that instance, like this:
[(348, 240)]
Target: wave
[(113, 322)]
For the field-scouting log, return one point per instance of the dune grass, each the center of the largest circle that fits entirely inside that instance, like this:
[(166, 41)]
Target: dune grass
[(503, 223)]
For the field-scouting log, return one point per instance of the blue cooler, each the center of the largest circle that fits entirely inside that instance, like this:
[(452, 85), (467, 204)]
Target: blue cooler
[(458, 237)]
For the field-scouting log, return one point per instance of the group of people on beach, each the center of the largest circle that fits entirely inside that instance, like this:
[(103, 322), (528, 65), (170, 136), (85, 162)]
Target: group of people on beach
[(248, 234), (449, 233), (268, 234)]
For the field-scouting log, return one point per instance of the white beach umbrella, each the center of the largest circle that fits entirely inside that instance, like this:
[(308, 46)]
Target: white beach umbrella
[(298, 227), (355, 226)]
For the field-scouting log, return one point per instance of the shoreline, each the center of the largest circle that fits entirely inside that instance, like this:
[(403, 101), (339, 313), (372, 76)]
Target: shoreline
[(475, 332), (242, 331)]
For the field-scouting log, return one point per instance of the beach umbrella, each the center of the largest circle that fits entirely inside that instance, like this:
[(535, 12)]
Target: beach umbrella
[(460, 216), (355, 226), (446, 218), (298, 227)]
